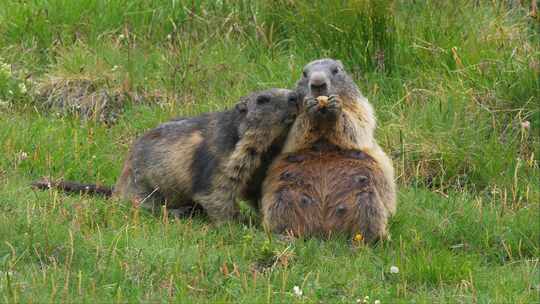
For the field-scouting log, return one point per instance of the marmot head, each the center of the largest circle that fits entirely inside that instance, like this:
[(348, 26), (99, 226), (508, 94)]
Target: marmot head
[(326, 77), (269, 112)]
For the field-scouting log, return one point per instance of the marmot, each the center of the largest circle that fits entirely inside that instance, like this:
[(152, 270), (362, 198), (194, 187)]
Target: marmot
[(208, 160), (332, 177)]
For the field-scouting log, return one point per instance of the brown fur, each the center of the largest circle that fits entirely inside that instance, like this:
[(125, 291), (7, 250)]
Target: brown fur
[(327, 191), (325, 197), (353, 130), (172, 175), (236, 172)]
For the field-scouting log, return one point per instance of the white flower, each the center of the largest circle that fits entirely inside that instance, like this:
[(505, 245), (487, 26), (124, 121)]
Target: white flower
[(114, 68), (394, 269), (121, 37), (377, 302), (526, 125), (23, 155), (22, 88), (297, 291), (5, 68), (363, 301), (169, 37)]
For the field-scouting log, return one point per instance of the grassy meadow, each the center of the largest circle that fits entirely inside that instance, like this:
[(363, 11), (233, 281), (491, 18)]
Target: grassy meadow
[(456, 89)]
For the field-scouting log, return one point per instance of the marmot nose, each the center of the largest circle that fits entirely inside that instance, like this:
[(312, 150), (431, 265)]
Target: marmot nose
[(318, 84)]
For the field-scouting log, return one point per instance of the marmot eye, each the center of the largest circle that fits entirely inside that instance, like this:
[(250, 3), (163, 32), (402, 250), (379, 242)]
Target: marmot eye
[(335, 70), (263, 99), (292, 98)]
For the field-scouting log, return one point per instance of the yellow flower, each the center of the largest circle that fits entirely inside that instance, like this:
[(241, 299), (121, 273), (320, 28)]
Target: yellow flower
[(358, 237)]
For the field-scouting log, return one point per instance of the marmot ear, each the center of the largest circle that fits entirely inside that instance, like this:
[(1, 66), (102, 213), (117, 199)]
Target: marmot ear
[(241, 107), (340, 64), (262, 99)]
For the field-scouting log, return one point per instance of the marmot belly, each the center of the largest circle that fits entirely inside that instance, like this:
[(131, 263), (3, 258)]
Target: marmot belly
[(324, 192)]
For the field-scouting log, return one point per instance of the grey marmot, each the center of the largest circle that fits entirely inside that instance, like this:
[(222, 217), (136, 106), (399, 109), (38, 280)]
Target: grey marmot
[(207, 161)]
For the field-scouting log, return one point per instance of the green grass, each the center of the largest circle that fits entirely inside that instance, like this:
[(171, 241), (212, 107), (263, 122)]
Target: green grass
[(454, 94)]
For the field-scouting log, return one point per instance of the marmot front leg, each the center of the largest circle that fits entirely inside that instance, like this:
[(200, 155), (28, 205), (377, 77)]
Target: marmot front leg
[(334, 102), (324, 110)]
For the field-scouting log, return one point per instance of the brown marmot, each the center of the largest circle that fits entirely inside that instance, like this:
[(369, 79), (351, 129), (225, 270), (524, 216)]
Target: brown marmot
[(207, 161), (332, 177)]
